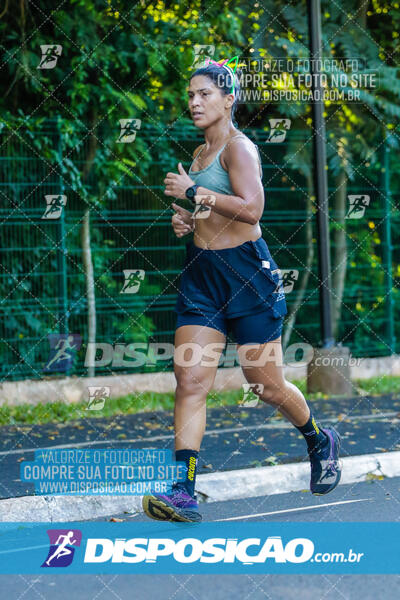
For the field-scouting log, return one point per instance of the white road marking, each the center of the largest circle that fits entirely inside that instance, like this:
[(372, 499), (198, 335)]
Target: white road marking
[(10, 550), (287, 510)]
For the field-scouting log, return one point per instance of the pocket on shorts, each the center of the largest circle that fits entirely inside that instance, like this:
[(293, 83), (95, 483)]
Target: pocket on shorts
[(275, 299)]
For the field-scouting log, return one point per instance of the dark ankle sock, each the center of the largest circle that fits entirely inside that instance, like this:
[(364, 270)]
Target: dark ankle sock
[(314, 436), (189, 457)]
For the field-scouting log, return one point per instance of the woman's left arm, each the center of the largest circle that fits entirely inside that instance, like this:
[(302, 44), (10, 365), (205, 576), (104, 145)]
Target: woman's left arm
[(246, 205)]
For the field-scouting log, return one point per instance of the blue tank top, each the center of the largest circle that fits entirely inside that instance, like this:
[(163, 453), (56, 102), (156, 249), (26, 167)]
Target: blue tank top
[(214, 177)]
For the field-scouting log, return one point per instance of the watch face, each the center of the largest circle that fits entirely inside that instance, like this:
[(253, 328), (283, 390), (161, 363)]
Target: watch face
[(190, 192)]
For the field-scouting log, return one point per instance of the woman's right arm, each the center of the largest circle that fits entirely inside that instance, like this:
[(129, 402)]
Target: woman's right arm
[(182, 221)]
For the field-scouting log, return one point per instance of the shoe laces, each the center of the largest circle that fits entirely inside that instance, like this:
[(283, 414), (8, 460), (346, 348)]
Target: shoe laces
[(180, 491), (179, 488)]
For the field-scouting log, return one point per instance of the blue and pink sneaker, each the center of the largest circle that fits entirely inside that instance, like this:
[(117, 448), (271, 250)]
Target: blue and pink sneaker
[(178, 505), (326, 468)]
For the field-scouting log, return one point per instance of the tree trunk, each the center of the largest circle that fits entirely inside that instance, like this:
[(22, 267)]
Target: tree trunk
[(87, 257), (90, 294), (301, 288), (339, 251)]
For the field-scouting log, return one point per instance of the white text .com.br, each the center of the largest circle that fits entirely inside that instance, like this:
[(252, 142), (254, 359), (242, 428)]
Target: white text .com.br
[(211, 550)]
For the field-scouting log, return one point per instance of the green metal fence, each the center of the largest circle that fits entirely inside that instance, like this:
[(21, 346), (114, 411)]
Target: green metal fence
[(42, 278)]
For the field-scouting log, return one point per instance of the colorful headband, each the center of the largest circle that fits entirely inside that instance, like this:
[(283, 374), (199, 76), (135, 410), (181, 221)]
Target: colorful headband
[(225, 64)]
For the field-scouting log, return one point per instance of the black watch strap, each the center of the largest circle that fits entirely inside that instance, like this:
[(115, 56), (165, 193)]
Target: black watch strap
[(191, 192)]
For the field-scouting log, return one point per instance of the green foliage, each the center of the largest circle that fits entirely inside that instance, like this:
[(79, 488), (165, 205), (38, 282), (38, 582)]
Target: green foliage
[(58, 412), (59, 130)]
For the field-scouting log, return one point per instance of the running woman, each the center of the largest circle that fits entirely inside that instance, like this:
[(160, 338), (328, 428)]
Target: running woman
[(229, 282)]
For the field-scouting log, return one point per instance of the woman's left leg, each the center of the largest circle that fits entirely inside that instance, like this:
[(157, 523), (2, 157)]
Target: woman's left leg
[(263, 364)]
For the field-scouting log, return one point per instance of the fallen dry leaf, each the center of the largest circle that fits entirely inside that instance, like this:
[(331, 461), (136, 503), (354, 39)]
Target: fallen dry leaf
[(373, 477)]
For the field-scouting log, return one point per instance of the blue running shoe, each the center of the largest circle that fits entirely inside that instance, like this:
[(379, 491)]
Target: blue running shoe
[(178, 505), (326, 468)]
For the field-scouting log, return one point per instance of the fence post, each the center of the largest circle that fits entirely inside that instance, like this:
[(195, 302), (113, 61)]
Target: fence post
[(63, 314), (387, 247), (320, 174)]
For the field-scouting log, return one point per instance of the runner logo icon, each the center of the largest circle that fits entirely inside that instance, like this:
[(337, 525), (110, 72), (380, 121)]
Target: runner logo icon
[(62, 547)]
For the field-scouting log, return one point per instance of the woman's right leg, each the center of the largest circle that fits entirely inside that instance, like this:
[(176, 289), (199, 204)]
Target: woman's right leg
[(196, 357)]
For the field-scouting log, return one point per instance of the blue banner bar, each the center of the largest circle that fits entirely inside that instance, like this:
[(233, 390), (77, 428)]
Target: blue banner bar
[(208, 547)]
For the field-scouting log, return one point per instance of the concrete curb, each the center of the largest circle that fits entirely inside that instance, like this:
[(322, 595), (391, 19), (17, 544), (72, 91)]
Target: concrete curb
[(291, 477), (212, 487), (75, 389), (65, 508)]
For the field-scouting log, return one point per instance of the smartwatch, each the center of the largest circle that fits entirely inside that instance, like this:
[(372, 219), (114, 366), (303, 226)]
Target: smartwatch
[(191, 192)]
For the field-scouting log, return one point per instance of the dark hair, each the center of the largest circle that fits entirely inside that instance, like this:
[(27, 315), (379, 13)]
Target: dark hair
[(222, 77)]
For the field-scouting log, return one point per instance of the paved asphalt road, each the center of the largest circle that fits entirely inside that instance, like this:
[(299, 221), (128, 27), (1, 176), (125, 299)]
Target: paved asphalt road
[(376, 502), (201, 587), (236, 437)]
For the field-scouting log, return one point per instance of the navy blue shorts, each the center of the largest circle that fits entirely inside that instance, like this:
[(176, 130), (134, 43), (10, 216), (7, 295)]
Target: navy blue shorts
[(232, 289)]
